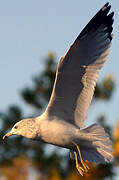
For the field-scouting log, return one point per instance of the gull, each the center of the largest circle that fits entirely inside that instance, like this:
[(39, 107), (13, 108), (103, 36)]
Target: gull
[(62, 123)]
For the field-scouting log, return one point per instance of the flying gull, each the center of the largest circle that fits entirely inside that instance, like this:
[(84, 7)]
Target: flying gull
[(62, 123)]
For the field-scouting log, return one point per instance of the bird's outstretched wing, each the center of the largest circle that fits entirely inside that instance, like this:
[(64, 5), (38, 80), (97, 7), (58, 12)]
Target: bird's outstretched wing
[(78, 70)]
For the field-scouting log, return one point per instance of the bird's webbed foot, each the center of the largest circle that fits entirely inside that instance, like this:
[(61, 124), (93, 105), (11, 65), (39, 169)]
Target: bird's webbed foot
[(85, 167)]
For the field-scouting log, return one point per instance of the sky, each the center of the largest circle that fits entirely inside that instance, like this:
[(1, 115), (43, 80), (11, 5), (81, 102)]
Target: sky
[(30, 29)]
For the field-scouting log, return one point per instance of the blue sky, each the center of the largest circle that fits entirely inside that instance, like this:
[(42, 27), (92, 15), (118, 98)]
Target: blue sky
[(29, 29)]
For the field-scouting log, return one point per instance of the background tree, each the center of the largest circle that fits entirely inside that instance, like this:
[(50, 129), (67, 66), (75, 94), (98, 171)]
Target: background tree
[(19, 153)]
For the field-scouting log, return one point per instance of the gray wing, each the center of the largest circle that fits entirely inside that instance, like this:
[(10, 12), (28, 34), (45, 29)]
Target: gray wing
[(78, 70)]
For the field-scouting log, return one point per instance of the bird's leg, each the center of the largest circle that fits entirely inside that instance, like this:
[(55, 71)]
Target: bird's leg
[(82, 161), (86, 168), (79, 168)]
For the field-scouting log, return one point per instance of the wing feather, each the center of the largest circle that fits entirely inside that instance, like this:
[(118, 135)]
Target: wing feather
[(78, 70)]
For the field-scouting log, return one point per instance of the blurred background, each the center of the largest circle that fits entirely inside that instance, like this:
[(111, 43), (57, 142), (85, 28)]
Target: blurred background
[(33, 37)]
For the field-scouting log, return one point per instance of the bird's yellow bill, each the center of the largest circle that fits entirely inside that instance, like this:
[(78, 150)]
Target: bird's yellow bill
[(7, 135)]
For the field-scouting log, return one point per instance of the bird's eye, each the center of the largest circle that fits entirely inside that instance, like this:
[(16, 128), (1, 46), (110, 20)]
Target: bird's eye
[(15, 127)]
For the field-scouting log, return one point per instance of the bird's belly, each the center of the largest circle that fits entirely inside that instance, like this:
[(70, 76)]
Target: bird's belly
[(59, 140), (58, 133)]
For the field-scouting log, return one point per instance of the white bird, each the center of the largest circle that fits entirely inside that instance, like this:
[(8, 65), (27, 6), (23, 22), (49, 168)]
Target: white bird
[(62, 123)]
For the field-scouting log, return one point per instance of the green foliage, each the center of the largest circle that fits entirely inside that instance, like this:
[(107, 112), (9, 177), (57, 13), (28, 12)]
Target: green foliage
[(105, 88)]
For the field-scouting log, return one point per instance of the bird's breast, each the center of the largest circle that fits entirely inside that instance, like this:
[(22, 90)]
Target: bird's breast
[(59, 133)]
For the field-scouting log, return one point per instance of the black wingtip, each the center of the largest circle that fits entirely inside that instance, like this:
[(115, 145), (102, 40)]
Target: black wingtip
[(106, 9), (106, 5), (102, 17)]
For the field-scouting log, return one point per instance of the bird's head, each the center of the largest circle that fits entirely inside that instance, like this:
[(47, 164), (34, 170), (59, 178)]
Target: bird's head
[(25, 127)]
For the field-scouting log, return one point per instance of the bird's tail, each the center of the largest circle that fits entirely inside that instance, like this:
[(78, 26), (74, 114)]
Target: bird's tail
[(97, 146)]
